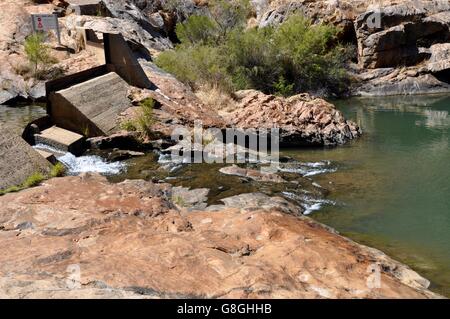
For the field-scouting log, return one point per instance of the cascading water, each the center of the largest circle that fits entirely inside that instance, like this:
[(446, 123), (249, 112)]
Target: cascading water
[(84, 164)]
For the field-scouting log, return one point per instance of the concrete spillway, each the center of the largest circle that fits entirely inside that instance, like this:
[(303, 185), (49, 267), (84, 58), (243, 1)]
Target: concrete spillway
[(91, 108), (61, 139)]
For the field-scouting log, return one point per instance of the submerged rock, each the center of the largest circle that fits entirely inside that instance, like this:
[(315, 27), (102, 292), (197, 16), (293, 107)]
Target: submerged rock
[(253, 174), (83, 237)]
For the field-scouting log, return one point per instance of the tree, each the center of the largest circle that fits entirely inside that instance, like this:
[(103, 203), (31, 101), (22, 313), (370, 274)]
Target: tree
[(37, 52)]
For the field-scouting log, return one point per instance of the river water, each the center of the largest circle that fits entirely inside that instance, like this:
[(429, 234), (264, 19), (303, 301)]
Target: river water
[(392, 186), (390, 189)]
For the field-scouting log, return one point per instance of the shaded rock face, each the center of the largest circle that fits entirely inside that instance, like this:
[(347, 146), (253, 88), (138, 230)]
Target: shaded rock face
[(18, 161), (129, 241), (302, 119), (401, 33), (403, 49), (144, 41), (157, 17)]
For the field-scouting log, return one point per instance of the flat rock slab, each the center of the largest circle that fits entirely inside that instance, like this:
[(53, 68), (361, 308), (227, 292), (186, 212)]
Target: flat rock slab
[(92, 107), (62, 139), (253, 174), (130, 240), (18, 161)]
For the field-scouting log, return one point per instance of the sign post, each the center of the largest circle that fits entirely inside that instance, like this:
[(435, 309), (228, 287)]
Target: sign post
[(46, 22)]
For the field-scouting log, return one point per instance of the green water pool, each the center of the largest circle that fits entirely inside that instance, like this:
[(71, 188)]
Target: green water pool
[(392, 186)]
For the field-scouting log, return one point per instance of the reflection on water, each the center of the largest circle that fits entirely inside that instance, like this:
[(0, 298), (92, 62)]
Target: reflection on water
[(394, 182), (14, 119)]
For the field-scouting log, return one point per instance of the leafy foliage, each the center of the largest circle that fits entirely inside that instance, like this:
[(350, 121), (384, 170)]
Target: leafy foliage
[(143, 121), (38, 53), (216, 50), (58, 170)]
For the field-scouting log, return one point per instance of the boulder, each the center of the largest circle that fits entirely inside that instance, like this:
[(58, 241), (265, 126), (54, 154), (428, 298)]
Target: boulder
[(303, 120), (253, 174), (18, 161), (406, 81), (439, 58), (394, 35)]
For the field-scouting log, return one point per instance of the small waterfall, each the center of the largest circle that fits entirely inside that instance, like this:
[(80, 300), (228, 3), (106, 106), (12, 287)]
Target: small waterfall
[(309, 203), (84, 164), (308, 169)]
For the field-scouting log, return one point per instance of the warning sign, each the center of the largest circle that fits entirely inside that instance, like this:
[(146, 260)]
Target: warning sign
[(45, 22)]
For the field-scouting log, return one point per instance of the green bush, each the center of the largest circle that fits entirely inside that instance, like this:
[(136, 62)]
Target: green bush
[(295, 57), (145, 117), (197, 30), (58, 170), (38, 53), (143, 121), (197, 66)]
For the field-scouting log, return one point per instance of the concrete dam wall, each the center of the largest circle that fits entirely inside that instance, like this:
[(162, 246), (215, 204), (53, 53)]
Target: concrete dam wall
[(91, 107)]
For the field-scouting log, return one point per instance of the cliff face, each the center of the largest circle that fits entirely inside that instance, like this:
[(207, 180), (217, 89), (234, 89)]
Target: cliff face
[(82, 237)]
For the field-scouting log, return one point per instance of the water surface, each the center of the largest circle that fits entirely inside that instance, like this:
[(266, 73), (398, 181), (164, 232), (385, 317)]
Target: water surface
[(390, 189), (392, 186), (15, 118)]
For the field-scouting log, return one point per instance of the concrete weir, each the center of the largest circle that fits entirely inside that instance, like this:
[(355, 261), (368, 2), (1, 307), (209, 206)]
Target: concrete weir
[(91, 108), (89, 103), (61, 139)]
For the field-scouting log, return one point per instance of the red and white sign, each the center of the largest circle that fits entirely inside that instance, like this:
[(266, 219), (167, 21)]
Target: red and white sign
[(45, 22)]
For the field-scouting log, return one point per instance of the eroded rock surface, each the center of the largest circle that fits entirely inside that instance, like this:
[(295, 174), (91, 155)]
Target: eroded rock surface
[(302, 119), (253, 174), (77, 237)]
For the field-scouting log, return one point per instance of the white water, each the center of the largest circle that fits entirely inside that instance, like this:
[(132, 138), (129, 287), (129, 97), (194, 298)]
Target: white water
[(308, 169), (90, 163), (84, 164), (308, 203)]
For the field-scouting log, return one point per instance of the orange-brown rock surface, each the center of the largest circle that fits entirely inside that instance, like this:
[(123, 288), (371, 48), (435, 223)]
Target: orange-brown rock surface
[(302, 119), (81, 236)]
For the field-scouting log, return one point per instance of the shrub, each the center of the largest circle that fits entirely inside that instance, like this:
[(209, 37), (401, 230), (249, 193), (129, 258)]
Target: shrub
[(145, 116), (229, 15), (38, 53), (129, 126), (197, 30), (143, 120), (295, 57), (197, 66), (283, 88), (58, 170)]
